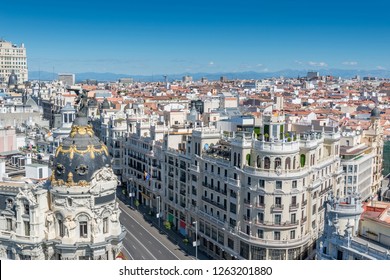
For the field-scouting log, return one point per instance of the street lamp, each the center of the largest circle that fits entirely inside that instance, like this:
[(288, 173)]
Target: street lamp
[(196, 239), (159, 212)]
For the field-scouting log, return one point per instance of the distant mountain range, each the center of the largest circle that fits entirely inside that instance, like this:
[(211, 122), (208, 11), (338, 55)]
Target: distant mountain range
[(288, 73)]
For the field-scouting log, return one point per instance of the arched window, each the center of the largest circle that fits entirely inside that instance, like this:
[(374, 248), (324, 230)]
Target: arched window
[(258, 161), (60, 225), (303, 160), (294, 160), (288, 164), (267, 163), (83, 226), (278, 162)]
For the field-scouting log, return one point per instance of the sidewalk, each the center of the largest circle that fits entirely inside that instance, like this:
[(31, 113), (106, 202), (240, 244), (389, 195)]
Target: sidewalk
[(172, 235)]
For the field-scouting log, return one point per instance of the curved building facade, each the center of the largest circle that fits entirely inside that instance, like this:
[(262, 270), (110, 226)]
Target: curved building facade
[(74, 215)]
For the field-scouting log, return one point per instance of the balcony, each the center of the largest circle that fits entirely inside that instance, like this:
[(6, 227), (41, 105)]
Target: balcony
[(294, 207), (279, 225), (208, 200), (326, 190), (303, 220), (247, 202), (195, 168), (211, 218), (247, 219), (277, 207), (260, 205), (304, 203)]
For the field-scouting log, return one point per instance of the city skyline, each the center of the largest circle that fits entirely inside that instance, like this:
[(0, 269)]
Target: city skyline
[(174, 37)]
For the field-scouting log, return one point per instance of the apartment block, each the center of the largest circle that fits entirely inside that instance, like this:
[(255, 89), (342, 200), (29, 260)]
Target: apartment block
[(249, 197), (13, 58)]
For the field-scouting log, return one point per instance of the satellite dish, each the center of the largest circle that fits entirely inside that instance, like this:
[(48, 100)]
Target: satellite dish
[(206, 146)]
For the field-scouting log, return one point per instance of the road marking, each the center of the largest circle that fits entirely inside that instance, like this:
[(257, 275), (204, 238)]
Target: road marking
[(128, 253), (146, 249), (124, 211)]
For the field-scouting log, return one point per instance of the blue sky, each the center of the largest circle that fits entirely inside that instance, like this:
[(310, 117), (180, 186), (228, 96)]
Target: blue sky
[(163, 37)]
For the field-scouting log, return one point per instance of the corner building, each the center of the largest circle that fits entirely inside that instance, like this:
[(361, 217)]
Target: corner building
[(252, 197), (72, 216)]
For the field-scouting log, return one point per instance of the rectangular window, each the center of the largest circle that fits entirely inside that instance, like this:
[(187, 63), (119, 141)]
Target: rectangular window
[(277, 235), (261, 200), (9, 224), (292, 234), (294, 200), (260, 217), (278, 219), (278, 201), (26, 208), (83, 229), (230, 243), (260, 233), (261, 183), (293, 218), (279, 185), (294, 184), (249, 181), (27, 228), (233, 208), (105, 225), (61, 230)]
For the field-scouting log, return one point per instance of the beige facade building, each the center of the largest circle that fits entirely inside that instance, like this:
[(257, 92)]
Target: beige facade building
[(13, 58), (248, 198)]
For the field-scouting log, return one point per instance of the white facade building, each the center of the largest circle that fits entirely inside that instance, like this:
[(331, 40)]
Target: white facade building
[(14, 58), (250, 198)]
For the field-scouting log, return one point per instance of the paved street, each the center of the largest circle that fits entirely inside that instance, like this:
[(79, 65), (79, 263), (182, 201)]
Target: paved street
[(144, 242)]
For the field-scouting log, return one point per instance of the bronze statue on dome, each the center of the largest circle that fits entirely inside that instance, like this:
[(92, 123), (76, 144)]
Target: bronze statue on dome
[(82, 101)]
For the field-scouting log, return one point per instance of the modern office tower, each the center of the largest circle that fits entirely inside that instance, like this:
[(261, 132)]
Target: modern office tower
[(13, 59), (67, 78), (249, 198), (73, 215)]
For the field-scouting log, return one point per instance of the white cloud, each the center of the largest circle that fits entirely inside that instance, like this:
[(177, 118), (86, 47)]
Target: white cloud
[(298, 62), (380, 67), (259, 65), (350, 63), (211, 63), (318, 64)]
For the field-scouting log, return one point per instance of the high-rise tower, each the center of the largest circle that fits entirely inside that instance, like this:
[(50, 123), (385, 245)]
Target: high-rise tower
[(13, 58)]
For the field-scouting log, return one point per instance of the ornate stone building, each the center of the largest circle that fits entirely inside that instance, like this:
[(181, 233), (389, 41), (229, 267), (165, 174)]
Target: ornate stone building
[(244, 197), (74, 215)]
